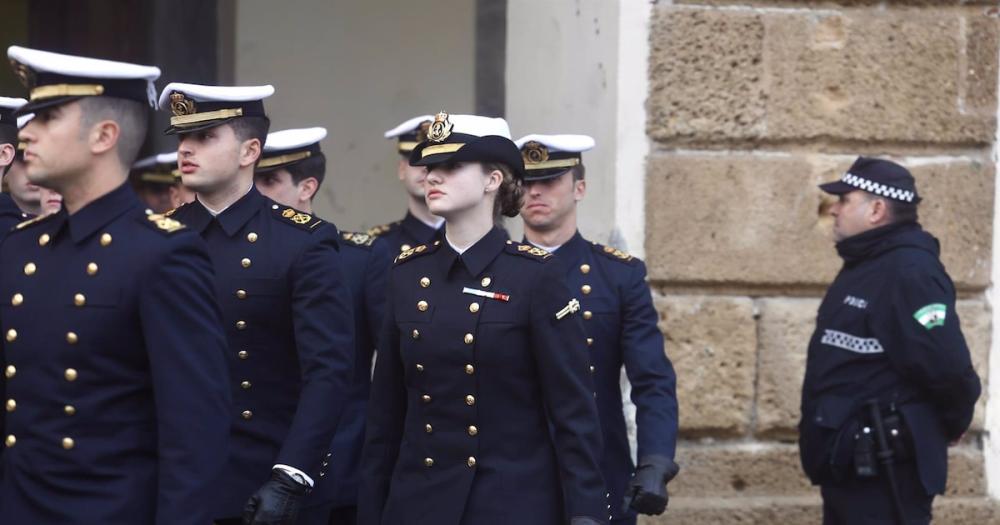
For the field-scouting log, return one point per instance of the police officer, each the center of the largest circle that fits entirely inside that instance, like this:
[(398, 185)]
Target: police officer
[(158, 181), (887, 359), (620, 322), (419, 226), (10, 212), (116, 407), (482, 409), (284, 302), (290, 172)]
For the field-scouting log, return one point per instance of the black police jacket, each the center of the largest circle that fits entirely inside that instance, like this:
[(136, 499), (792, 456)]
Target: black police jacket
[(887, 330)]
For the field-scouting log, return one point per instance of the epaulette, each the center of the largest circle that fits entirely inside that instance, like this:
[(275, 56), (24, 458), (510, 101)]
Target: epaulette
[(613, 253), (32, 221), (162, 223), (170, 213), (358, 239), (296, 218), (527, 250), (382, 228), (417, 251)]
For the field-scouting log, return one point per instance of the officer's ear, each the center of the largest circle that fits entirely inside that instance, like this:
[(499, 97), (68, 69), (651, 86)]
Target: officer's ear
[(249, 152), (579, 189), (307, 189), (7, 152), (878, 211)]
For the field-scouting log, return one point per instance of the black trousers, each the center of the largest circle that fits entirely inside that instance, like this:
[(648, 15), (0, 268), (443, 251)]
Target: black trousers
[(318, 515), (867, 502)]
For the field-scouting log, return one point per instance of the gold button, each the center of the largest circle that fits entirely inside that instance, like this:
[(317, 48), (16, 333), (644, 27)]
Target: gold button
[(11, 440), (469, 369), (17, 299), (10, 371), (592, 369), (428, 428), (474, 307), (425, 282), (11, 335), (471, 462), (252, 237), (420, 367), (70, 374), (469, 339), (68, 443), (585, 289), (241, 325), (422, 306), (587, 314), (11, 405), (245, 262), (470, 400), (44, 239), (585, 268), (245, 385), (590, 341), (473, 430), (429, 462), (486, 281), (69, 410), (243, 354), (247, 414), (510, 241), (72, 338), (105, 239), (416, 333), (79, 299), (425, 398), (241, 294), (91, 268), (30, 269), (404, 247)]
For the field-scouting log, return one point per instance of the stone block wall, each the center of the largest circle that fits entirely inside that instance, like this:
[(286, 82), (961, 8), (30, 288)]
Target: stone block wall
[(752, 103)]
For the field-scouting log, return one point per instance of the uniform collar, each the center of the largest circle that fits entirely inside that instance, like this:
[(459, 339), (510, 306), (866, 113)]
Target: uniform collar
[(99, 213), (479, 255), (574, 249), (418, 230), (9, 207), (232, 219)]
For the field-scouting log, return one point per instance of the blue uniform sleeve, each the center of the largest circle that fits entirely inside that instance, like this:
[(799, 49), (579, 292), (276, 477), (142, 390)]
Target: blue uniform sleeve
[(560, 350), (386, 417), (926, 345), (185, 341), (654, 384), (376, 274), (324, 341)]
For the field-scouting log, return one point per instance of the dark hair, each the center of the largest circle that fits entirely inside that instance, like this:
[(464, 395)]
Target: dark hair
[(132, 118), (579, 172), (247, 128), (509, 194), (8, 135), (902, 211), (314, 166)]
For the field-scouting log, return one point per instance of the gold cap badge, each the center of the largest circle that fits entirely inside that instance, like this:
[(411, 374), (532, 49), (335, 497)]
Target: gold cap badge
[(440, 129), (23, 73), (180, 104), (534, 153)]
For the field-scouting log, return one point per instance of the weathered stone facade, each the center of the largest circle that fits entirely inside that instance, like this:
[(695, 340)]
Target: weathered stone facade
[(751, 104)]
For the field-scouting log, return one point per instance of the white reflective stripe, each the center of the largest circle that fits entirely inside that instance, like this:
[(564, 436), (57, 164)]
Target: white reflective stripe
[(852, 343), (878, 189)]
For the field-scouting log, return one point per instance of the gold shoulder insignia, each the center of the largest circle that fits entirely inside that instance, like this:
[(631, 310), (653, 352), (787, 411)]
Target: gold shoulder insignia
[(34, 220), (165, 223), (613, 253), (382, 228), (170, 213), (297, 218), (529, 250), (413, 253), (360, 239)]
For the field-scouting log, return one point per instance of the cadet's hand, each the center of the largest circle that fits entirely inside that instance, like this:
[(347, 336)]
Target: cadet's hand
[(647, 490), (277, 502)]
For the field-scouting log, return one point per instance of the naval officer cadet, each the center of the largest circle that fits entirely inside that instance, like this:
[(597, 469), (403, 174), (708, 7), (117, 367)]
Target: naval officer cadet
[(10, 212), (116, 402), (482, 408), (620, 322), (284, 299), (419, 225), (290, 172)]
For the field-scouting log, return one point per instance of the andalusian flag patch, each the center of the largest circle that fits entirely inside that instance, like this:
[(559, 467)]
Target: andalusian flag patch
[(931, 315)]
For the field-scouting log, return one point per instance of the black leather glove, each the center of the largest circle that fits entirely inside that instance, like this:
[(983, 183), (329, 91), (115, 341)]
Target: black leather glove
[(647, 490), (277, 502)]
